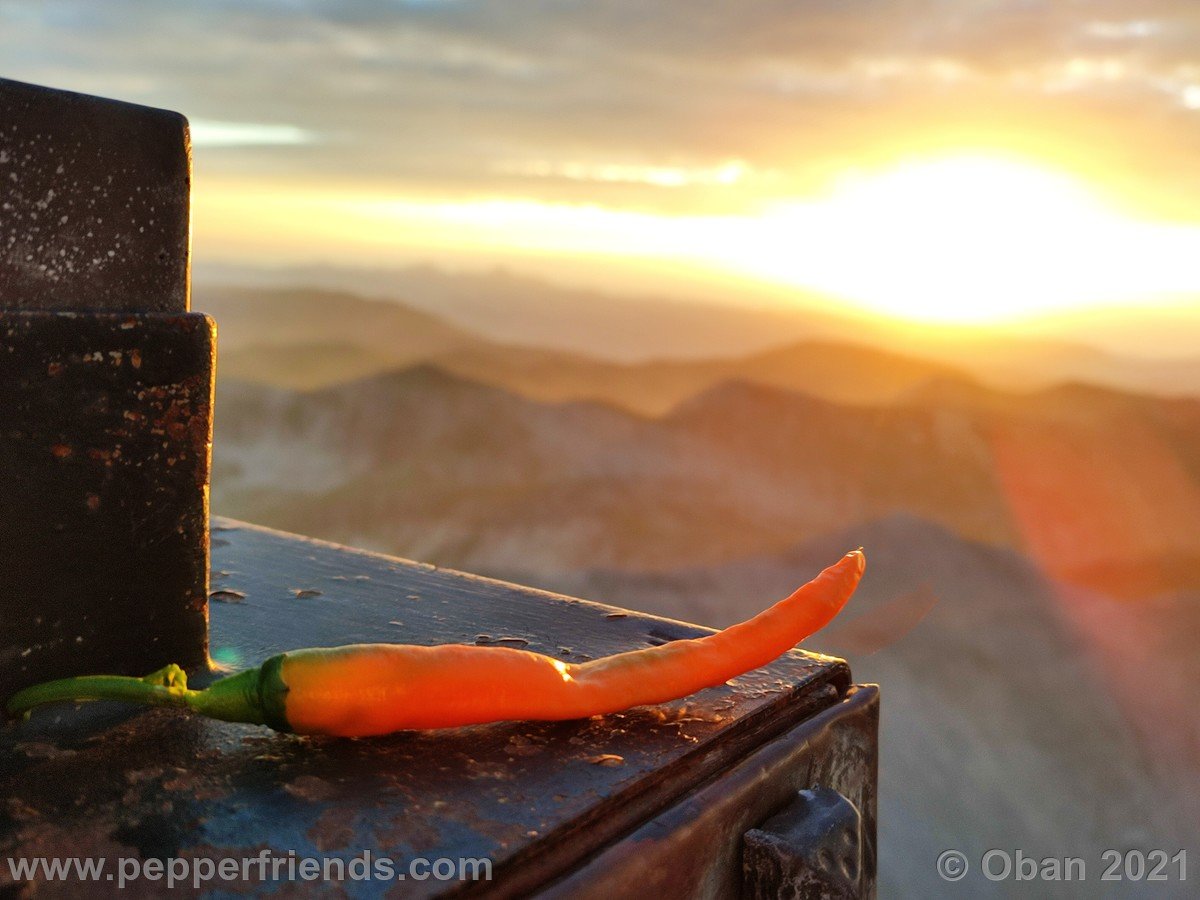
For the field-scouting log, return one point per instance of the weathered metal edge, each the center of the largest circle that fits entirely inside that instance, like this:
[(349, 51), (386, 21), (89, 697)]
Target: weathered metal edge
[(529, 872), (688, 850)]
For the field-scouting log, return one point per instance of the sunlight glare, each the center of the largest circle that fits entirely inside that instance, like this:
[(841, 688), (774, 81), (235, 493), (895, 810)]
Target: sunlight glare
[(970, 239)]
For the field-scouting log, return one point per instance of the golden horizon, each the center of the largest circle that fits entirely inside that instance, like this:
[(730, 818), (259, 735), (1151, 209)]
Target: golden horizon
[(964, 238)]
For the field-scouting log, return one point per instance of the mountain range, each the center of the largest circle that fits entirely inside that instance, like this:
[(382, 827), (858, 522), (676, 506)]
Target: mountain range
[(518, 311), (1102, 488)]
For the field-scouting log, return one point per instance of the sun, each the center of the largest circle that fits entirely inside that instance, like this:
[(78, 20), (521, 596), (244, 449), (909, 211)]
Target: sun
[(969, 238)]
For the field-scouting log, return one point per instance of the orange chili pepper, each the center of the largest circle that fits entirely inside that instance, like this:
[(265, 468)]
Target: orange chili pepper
[(370, 689)]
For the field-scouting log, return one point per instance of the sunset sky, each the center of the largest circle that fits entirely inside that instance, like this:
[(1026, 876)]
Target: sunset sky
[(940, 161)]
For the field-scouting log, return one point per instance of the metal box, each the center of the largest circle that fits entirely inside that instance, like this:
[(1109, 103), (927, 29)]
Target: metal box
[(655, 801)]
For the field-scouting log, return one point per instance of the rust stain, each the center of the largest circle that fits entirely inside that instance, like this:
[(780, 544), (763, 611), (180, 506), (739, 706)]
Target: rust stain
[(140, 776), (311, 788), (40, 750), (411, 828), (334, 828), (20, 811), (521, 745), (195, 786)]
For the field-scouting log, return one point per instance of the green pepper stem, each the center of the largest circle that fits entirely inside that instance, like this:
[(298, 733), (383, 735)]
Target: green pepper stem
[(166, 687), (237, 698)]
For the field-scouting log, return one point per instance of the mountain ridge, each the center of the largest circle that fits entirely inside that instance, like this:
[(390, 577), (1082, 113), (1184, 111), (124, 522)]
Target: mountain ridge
[(855, 364)]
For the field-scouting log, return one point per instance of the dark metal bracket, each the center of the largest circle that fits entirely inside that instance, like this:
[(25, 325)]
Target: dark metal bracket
[(106, 384), (812, 849)]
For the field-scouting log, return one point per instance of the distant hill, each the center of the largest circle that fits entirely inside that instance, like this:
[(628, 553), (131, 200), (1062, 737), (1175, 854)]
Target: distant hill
[(870, 460), (1102, 488), (502, 307), (509, 308), (840, 372), (310, 365), (846, 373), (304, 318), (448, 470), (1021, 364), (557, 344), (309, 339)]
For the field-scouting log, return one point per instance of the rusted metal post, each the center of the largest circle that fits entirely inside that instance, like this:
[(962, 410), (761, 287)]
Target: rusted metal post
[(106, 385)]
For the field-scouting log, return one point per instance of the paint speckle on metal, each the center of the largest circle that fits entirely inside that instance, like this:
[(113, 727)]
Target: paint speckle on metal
[(94, 202)]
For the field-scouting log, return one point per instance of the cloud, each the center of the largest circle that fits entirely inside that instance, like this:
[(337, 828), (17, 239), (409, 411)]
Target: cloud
[(1129, 29), (444, 96), (207, 133), (728, 173)]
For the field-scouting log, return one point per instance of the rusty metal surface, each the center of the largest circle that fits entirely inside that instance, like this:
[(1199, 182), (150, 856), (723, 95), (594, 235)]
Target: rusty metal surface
[(537, 798), (94, 203), (105, 430), (694, 849)]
